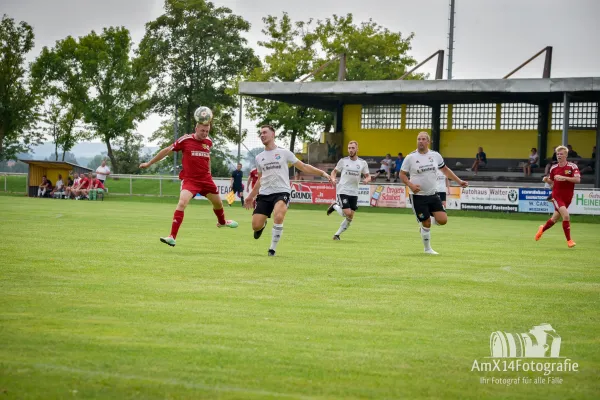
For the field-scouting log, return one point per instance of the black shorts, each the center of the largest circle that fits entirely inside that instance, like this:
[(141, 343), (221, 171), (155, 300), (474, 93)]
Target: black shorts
[(266, 203), (237, 189), (442, 195), (101, 180), (425, 206), (346, 201)]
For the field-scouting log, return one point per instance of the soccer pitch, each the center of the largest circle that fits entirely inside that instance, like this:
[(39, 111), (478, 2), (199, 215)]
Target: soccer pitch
[(94, 306)]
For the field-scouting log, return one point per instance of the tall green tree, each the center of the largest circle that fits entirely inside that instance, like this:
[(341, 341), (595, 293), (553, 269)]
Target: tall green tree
[(18, 97), (196, 50), (298, 48), (99, 78)]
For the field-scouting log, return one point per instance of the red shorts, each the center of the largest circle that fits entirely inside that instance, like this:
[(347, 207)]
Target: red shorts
[(202, 188), (558, 203)]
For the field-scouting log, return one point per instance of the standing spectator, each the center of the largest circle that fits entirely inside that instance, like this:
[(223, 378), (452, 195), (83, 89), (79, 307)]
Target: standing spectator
[(385, 167), (532, 162), (102, 172), (480, 161), (45, 187), (236, 183), (59, 188), (397, 166)]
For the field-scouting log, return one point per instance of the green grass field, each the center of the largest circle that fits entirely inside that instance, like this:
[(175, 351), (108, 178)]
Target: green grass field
[(94, 306)]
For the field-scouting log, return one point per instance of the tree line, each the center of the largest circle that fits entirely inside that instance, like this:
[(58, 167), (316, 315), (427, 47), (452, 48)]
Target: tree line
[(102, 84)]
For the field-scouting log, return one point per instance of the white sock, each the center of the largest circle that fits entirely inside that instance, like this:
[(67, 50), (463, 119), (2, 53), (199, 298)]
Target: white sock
[(276, 233), (343, 226), (425, 236), (339, 210)]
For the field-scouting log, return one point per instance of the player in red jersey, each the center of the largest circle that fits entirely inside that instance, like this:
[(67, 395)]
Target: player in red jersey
[(563, 177), (252, 179), (195, 177)]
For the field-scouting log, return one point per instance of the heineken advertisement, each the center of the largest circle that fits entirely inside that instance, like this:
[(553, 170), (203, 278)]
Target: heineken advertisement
[(585, 202)]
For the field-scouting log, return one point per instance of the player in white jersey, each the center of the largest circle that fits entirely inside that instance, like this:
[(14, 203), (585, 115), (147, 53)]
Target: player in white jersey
[(273, 186), (422, 165), (350, 169), (443, 185)]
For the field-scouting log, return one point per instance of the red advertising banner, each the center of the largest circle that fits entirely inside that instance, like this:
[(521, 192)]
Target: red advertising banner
[(312, 193)]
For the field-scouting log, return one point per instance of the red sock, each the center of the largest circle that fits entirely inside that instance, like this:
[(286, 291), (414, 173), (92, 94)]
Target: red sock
[(549, 224), (220, 216), (177, 220), (567, 229)]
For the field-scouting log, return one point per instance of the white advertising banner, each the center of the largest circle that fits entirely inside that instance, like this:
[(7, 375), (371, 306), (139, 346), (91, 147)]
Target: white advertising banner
[(585, 202), (489, 199)]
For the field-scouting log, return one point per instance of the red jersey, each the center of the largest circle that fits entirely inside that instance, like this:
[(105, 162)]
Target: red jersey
[(195, 158), (97, 183), (83, 183), (253, 177), (564, 190)]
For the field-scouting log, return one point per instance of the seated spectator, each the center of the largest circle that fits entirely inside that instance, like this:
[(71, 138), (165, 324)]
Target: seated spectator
[(572, 153), (59, 188), (532, 162), (96, 186), (72, 184), (480, 161), (591, 167), (397, 166), (45, 187), (385, 167), (551, 162), (83, 185)]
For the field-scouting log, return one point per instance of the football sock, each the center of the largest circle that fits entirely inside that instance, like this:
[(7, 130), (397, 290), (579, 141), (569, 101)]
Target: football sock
[(343, 226), (177, 220), (276, 233), (220, 215), (567, 229), (339, 210), (425, 236), (549, 224), (242, 198)]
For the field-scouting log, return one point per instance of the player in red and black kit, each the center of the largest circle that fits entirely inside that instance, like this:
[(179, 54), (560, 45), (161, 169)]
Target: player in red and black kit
[(563, 176), (195, 177), (252, 179)]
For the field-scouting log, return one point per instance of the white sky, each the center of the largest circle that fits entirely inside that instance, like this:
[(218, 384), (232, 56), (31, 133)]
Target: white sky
[(491, 37)]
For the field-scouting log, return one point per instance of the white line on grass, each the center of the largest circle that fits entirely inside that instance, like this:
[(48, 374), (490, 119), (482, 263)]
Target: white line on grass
[(509, 269), (174, 382)]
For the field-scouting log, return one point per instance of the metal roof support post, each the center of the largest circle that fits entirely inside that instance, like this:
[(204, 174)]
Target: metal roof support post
[(439, 72), (435, 126), (547, 63), (543, 117), (565, 132), (597, 160)]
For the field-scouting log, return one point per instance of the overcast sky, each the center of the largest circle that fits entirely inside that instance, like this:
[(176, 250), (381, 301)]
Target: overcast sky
[(492, 37)]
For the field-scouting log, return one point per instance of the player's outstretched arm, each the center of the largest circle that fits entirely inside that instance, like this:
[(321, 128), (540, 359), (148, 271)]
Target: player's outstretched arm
[(159, 156), (451, 175), (309, 169)]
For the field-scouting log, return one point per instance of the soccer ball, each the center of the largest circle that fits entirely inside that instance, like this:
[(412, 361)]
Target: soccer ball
[(203, 115)]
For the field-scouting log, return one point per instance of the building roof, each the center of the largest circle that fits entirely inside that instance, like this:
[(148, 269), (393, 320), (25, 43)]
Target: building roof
[(328, 95), (54, 164)]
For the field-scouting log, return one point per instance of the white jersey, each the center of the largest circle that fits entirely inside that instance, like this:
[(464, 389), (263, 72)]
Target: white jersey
[(422, 169), (101, 172), (441, 182), (350, 171), (273, 167)]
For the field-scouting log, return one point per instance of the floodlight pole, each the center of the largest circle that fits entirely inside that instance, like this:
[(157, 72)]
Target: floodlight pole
[(451, 40), (240, 132)]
